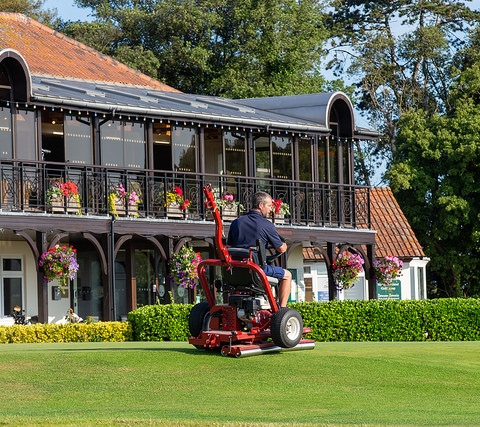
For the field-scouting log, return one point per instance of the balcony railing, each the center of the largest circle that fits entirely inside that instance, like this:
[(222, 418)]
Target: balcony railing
[(24, 185)]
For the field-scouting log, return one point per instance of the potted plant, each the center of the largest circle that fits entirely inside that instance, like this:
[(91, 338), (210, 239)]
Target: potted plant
[(64, 194), (387, 269), (346, 268), (183, 267), (120, 201), (229, 206), (280, 210), (59, 263), (176, 203)]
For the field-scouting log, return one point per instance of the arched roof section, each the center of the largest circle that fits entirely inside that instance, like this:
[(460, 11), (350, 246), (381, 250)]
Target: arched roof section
[(318, 108), (18, 74)]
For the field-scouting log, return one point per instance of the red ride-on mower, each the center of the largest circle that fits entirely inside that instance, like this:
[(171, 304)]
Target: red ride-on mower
[(252, 322)]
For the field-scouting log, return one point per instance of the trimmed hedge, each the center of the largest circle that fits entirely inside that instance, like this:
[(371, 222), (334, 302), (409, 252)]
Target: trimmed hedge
[(437, 320), (160, 322), (74, 332)]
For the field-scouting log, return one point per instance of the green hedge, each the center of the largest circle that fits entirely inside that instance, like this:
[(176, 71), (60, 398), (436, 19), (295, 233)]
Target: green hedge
[(74, 332), (160, 322), (437, 320)]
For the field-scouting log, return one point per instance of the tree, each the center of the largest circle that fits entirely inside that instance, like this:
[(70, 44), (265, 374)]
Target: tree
[(398, 69), (234, 48), (31, 8), (434, 176)]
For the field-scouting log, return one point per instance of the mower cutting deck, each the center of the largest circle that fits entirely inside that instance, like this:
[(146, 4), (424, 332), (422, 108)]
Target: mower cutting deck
[(251, 322)]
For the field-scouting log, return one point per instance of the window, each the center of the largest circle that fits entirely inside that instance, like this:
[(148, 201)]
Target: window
[(262, 157), (5, 134), (25, 135), (123, 144), (305, 159), (11, 291), (235, 160), (282, 157), (78, 140), (184, 149), (162, 146)]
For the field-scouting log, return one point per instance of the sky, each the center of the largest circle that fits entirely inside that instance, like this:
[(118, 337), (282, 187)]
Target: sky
[(67, 11)]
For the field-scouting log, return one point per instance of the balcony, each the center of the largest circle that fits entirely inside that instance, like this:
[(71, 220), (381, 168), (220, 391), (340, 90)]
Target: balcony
[(24, 186)]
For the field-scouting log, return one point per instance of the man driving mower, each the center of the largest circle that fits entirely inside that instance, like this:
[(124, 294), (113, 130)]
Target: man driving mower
[(245, 232)]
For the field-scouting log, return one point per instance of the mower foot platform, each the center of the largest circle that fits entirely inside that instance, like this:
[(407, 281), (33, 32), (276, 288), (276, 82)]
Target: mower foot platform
[(245, 350)]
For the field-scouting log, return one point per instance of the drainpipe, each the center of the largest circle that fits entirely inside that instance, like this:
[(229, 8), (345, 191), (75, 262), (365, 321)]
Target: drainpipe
[(112, 268)]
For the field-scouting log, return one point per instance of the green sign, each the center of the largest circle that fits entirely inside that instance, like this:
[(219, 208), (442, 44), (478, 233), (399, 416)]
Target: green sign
[(393, 292)]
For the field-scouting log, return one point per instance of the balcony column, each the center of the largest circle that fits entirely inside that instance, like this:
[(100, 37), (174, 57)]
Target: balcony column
[(332, 289), (370, 274), (42, 285)]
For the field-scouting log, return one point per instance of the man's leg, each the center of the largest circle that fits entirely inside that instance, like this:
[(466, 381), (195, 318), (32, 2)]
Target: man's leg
[(284, 288)]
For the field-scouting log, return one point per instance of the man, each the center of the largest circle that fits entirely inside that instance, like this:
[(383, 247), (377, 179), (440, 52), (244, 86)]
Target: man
[(247, 229)]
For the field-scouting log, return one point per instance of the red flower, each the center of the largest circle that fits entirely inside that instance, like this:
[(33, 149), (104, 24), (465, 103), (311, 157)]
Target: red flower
[(178, 190)]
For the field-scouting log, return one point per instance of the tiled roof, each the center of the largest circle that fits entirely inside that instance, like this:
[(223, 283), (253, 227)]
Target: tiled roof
[(49, 53), (394, 234)]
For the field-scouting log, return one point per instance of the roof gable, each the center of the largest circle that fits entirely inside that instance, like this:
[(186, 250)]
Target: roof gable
[(394, 234), (49, 53)]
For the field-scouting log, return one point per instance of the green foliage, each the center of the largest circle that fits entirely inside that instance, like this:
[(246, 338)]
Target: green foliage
[(395, 70), (160, 322), (31, 8), (216, 47), (74, 332), (439, 320), (434, 176)]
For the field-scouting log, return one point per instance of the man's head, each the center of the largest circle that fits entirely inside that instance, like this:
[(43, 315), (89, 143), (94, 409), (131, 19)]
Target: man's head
[(263, 202)]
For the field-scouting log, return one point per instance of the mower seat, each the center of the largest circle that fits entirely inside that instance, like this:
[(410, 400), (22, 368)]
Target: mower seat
[(241, 276)]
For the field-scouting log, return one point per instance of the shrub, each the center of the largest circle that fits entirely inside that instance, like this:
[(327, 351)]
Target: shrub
[(73, 332)]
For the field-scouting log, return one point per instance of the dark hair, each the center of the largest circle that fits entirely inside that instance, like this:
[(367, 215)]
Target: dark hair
[(260, 197)]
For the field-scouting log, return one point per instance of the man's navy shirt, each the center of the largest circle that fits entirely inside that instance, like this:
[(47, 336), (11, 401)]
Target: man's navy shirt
[(246, 229)]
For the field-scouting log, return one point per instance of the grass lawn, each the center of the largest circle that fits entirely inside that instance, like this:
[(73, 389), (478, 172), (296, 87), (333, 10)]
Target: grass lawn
[(173, 384)]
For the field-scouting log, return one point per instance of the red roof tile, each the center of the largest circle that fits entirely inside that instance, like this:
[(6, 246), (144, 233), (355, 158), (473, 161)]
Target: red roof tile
[(50, 53), (394, 234)]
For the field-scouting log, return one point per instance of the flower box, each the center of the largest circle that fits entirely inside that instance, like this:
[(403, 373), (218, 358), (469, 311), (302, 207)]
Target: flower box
[(63, 198), (122, 202), (279, 218), (63, 204), (174, 210), (229, 213), (123, 208)]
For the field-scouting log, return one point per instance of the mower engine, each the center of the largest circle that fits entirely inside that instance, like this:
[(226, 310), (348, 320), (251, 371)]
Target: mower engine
[(252, 311)]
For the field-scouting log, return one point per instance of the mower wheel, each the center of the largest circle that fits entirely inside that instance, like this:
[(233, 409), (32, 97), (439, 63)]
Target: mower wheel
[(286, 327), (196, 318)]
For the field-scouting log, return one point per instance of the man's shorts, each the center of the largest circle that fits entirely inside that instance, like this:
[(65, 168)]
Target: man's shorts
[(274, 271)]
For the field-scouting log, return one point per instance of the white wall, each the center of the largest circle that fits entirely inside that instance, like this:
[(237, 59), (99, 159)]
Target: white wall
[(413, 281), (22, 250), (56, 309)]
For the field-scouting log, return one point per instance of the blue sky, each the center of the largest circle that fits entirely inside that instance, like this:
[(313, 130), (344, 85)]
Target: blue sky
[(66, 10)]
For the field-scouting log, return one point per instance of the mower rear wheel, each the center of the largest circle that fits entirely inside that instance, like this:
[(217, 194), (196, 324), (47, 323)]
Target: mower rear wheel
[(286, 327), (197, 317)]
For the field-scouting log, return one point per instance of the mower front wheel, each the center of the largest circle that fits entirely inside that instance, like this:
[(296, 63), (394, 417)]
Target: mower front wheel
[(197, 316), (286, 327)]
